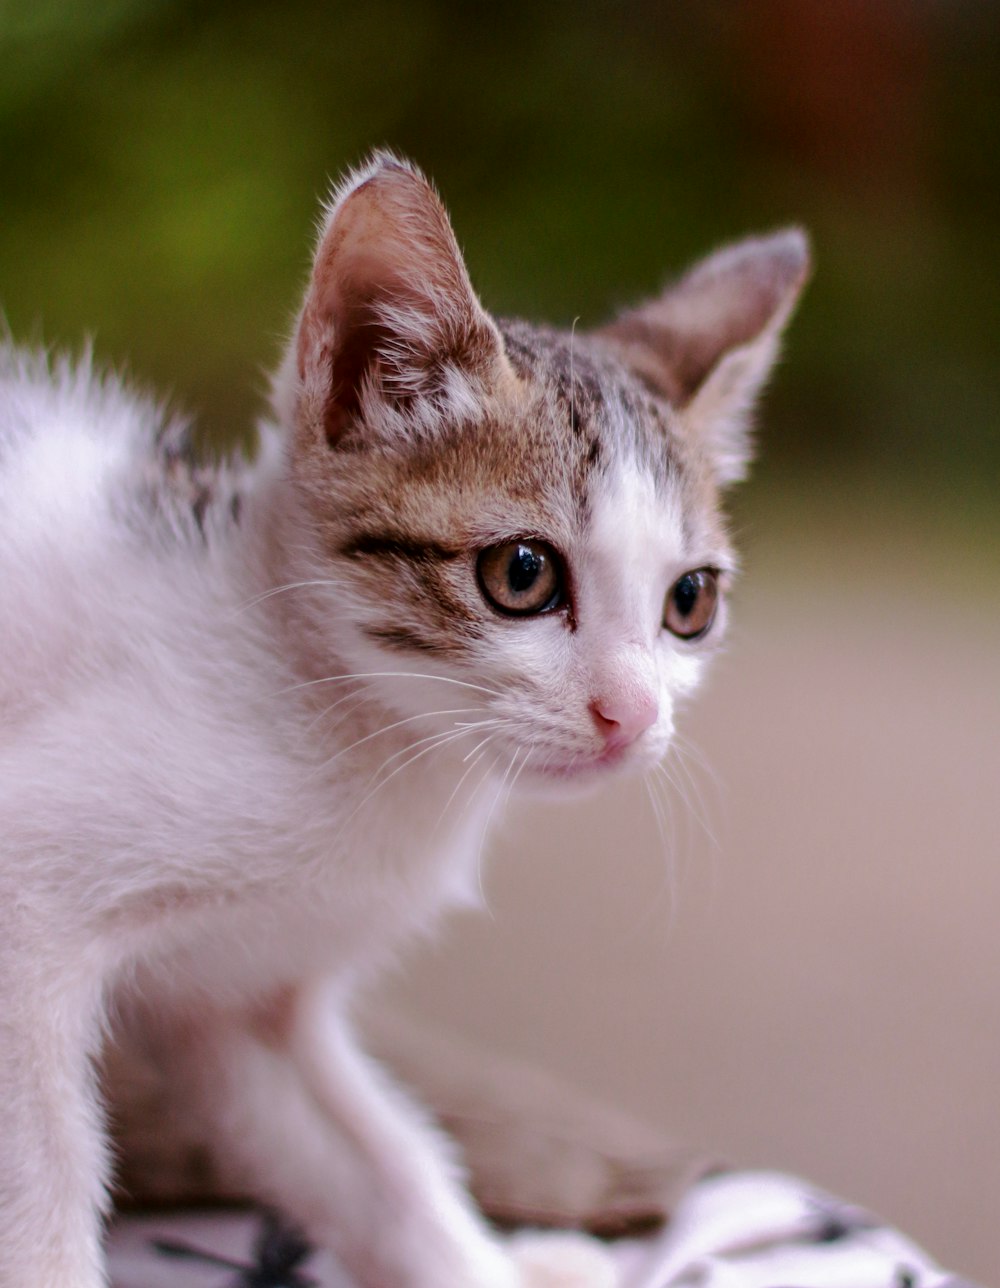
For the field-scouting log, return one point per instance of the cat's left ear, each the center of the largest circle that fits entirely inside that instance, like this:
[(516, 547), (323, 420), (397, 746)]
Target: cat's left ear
[(709, 341), (391, 337)]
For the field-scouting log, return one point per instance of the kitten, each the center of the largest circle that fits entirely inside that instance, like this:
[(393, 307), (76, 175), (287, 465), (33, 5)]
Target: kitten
[(255, 721)]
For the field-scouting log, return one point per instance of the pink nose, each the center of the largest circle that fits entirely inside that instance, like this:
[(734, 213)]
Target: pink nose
[(621, 718)]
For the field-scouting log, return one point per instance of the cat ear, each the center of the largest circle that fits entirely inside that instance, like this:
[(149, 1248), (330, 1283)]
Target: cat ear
[(391, 332), (709, 341)]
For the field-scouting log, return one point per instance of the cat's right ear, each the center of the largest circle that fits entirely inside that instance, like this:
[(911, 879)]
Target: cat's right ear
[(391, 337), (708, 343)]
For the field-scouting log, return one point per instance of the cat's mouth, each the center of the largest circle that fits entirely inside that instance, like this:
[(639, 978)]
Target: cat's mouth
[(580, 768)]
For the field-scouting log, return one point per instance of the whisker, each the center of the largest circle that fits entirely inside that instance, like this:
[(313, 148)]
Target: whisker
[(499, 724), (695, 753), (384, 729), (389, 675), (435, 741), (690, 788), (488, 776), (447, 733), (675, 799), (479, 748), (670, 799), (664, 819), (513, 781), (484, 831), (358, 696), (661, 813), (702, 815), (281, 590)]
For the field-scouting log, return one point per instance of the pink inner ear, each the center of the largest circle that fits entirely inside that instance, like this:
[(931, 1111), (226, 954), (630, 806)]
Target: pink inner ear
[(353, 357), (390, 299)]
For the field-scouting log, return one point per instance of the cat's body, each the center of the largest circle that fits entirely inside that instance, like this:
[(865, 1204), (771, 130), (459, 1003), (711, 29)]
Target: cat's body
[(254, 725)]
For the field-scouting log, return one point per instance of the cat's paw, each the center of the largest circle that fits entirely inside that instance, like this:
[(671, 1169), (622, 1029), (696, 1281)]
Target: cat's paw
[(562, 1259)]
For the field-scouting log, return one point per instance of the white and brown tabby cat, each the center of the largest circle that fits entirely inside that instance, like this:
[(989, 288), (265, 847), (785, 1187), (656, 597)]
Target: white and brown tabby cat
[(254, 722)]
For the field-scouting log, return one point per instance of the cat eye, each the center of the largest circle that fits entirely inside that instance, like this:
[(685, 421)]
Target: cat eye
[(691, 603), (521, 577)]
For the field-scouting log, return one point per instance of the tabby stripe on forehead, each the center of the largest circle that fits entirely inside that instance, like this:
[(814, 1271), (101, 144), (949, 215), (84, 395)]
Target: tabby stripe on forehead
[(394, 546)]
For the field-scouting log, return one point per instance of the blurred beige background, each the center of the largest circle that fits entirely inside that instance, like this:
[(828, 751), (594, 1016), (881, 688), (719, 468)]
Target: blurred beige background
[(818, 987)]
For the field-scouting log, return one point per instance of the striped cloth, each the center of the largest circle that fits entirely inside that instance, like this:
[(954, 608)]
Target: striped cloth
[(733, 1230)]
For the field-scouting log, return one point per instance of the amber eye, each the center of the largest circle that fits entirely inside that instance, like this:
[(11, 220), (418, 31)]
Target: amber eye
[(521, 577), (691, 603)]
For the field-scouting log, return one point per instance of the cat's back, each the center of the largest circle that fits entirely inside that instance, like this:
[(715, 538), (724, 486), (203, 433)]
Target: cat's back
[(61, 428), (99, 499), (83, 456)]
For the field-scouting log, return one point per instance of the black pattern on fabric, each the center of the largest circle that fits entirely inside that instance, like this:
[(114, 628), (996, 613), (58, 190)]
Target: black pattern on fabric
[(279, 1252)]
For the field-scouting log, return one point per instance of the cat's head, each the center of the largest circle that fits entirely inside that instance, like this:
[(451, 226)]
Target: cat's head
[(528, 518)]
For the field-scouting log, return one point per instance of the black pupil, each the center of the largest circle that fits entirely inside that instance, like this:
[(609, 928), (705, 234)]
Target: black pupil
[(523, 569), (686, 594)]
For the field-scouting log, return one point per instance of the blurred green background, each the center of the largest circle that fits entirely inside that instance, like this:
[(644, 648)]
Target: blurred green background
[(162, 165)]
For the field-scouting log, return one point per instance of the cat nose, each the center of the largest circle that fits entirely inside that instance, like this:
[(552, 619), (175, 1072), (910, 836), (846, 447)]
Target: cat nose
[(622, 717)]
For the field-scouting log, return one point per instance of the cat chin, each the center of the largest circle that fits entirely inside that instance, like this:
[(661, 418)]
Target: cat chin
[(579, 776)]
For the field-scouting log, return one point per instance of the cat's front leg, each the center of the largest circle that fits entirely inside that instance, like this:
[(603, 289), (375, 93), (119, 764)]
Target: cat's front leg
[(301, 1116), (53, 1158), (427, 1216), (296, 1113)]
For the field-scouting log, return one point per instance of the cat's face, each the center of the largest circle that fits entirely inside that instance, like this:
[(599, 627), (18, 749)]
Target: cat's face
[(520, 527)]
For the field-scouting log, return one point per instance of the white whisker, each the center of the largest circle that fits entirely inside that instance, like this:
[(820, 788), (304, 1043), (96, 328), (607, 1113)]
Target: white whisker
[(281, 590), (481, 724), (447, 734), (390, 675), (664, 819), (435, 741), (484, 832), (480, 748), (384, 729), (517, 775), (474, 759), (359, 698), (690, 790)]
